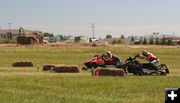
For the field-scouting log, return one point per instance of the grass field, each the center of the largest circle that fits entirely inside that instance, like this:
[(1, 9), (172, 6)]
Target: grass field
[(33, 86)]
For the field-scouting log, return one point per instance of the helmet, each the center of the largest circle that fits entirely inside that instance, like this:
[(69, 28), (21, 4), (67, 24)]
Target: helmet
[(109, 52), (144, 53)]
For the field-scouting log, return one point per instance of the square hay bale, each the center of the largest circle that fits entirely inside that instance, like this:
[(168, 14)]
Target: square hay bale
[(66, 69), (22, 64), (23, 40), (48, 67), (110, 72)]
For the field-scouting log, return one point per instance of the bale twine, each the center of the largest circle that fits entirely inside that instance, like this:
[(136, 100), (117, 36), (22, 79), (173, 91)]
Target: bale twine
[(22, 64), (66, 69), (48, 67), (109, 72)]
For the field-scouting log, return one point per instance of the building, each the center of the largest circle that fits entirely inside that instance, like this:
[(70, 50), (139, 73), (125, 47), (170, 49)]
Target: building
[(171, 40), (81, 39), (13, 33), (64, 38), (168, 39)]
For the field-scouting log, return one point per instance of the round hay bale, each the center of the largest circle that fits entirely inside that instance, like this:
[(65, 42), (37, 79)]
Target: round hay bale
[(66, 69), (22, 64), (110, 72), (48, 67)]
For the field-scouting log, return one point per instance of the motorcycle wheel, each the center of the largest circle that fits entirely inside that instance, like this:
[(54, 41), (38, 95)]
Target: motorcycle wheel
[(163, 73), (163, 69)]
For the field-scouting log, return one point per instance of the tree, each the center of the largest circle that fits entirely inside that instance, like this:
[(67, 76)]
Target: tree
[(145, 41), (108, 36), (163, 41), (116, 41), (132, 39), (48, 34), (141, 40), (151, 41), (157, 42)]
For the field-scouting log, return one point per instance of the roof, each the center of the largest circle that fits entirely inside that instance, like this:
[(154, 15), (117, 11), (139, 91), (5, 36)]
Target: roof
[(81, 36), (172, 38), (16, 31), (13, 31)]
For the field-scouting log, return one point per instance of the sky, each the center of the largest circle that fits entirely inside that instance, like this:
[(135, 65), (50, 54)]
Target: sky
[(75, 17)]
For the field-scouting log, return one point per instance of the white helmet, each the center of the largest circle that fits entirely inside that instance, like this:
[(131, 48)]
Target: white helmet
[(109, 52)]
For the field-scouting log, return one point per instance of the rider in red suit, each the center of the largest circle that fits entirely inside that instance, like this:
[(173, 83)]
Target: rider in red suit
[(151, 58)]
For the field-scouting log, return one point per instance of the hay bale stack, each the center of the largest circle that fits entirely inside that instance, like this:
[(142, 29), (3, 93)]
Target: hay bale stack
[(48, 67), (66, 69), (110, 72), (26, 40), (23, 40), (22, 64)]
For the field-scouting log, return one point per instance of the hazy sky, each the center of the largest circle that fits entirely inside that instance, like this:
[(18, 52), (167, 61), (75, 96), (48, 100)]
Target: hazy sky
[(74, 17)]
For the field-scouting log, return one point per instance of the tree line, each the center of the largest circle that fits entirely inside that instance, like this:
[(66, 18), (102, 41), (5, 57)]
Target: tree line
[(151, 41)]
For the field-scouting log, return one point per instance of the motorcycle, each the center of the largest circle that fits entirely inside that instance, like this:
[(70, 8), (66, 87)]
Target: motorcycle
[(132, 65)]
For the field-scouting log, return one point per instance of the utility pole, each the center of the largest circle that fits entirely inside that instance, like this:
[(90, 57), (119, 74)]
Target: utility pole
[(174, 38), (9, 26), (93, 26), (9, 34)]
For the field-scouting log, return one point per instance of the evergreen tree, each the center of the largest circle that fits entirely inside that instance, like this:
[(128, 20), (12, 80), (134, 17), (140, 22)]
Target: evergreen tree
[(157, 42), (132, 40), (163, 41), (151, 41), (145, 41), (141, 40)]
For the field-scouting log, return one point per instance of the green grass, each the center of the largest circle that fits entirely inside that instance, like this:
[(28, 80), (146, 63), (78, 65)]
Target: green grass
[(33, 86)]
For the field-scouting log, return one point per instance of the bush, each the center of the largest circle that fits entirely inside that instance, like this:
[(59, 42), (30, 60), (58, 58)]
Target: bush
[(116, 41)]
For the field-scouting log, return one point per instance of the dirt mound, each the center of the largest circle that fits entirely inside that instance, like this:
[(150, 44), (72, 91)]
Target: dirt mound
[(22, 64)]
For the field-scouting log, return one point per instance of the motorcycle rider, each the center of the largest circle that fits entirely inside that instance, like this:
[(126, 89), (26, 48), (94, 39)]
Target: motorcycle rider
[(151, 58), (109, 57)]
